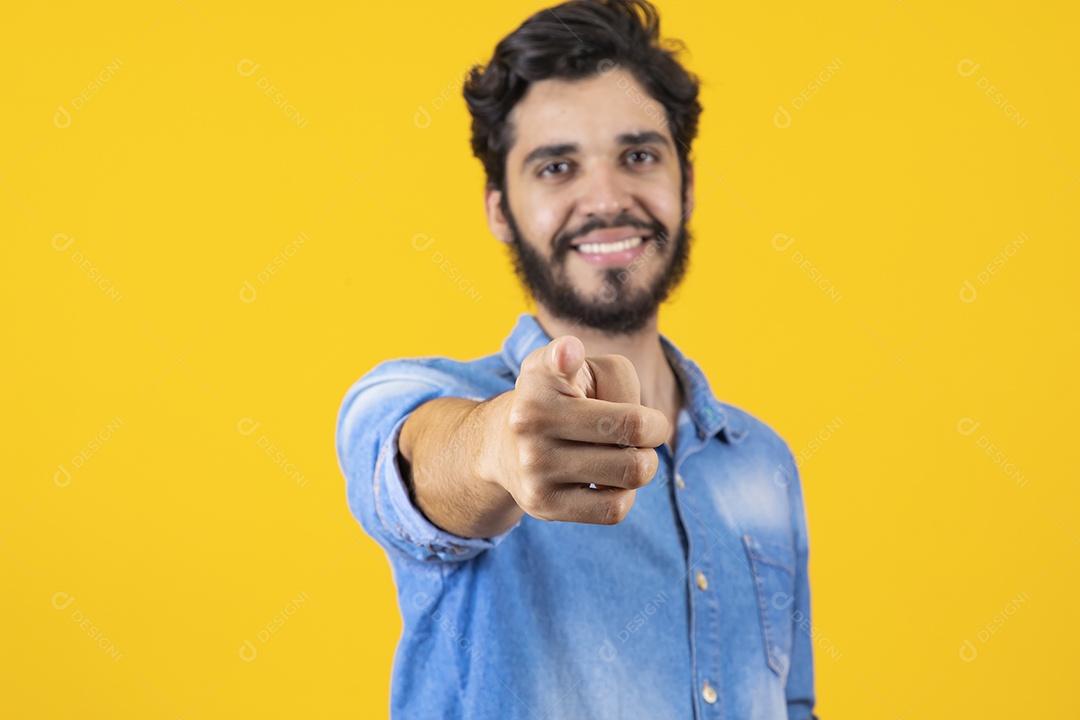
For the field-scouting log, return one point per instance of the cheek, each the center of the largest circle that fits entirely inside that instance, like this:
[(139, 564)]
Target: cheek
[(549, 230), (545, 221), (660, 197), (668, 210)]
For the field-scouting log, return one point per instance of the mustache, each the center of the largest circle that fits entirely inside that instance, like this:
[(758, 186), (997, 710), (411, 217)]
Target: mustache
[(654, 227)]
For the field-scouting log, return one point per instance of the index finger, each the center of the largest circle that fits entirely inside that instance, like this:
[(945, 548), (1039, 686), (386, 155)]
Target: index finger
[(610, 423)]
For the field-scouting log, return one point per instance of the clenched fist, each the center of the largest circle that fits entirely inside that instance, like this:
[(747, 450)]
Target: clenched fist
[(572, 422)]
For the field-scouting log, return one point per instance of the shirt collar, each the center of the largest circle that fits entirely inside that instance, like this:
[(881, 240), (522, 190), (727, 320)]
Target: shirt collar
[(709, 414)]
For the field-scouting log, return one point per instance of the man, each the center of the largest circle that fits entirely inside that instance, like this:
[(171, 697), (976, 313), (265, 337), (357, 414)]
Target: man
[(577, 527)]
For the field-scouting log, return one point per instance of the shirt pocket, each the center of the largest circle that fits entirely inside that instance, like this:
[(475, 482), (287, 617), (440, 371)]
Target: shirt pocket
[(773, 568)]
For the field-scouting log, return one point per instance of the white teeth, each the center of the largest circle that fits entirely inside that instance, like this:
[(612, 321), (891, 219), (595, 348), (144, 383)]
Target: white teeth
[(604, 248)]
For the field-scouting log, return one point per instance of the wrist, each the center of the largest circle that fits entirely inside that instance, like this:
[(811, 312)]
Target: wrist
[(488, 422)]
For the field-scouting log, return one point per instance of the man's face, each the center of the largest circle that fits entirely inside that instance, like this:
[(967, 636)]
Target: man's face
[(593, 210)]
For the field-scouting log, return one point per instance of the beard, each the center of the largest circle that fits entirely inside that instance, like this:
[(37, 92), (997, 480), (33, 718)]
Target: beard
[(618, 308)]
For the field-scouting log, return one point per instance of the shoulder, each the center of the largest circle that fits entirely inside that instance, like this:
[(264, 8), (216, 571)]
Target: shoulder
[(740, 427), (755, 433)]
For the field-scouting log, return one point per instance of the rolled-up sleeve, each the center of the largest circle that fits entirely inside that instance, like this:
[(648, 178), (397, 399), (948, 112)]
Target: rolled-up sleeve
[(368, 429)]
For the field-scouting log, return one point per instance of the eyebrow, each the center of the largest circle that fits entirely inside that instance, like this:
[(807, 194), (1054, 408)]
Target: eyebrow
[(552, 151), (549, 151), (642, 138)]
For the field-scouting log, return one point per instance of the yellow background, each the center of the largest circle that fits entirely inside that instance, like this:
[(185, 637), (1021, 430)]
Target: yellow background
[(178, 180)]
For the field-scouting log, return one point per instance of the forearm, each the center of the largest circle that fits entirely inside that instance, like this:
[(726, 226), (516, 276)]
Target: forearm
[(440, 452)]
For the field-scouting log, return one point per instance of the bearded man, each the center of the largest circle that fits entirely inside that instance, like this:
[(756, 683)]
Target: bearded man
[(577, 526)]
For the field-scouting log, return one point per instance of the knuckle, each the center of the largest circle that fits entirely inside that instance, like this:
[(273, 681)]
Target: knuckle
[(616, 508), (538, 502), (633, 427), (624, 366), (527, 459), (652, 462), (535, 459), (533, 500), (516, 419), (609, 514), (532, 360), (522, 416), (638, 469)]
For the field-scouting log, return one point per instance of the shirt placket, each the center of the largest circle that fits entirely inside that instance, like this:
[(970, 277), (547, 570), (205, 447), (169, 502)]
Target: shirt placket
[(702, 586)]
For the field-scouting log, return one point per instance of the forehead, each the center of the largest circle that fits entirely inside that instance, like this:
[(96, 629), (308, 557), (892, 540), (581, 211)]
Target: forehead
[(592, 110)]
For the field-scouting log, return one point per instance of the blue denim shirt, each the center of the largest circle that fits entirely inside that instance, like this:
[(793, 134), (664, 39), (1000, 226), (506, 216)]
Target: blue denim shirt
[(696, 605)]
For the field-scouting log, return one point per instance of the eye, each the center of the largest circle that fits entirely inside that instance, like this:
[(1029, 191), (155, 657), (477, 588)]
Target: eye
[(555, 168), (640, 157)]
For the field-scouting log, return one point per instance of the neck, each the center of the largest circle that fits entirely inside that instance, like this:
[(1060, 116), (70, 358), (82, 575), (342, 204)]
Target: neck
[(660, 387)]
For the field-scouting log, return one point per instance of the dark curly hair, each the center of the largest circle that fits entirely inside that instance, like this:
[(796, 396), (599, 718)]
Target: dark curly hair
[(571, 41)]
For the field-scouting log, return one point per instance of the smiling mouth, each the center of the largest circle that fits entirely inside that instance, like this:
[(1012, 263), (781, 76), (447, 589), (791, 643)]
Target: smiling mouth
[(609, 247)]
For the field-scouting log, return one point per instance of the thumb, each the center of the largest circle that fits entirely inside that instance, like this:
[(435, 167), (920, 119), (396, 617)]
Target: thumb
[(565, 357)]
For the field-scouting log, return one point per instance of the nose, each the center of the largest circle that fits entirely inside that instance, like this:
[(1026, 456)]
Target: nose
[(603, 192)]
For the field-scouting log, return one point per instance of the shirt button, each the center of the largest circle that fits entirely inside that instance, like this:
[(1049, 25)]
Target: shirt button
[(708, 693), (679, 481), (701, 581)]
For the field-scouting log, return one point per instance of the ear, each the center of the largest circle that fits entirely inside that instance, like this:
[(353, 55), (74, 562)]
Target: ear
[(496, 219), (688, 194)]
